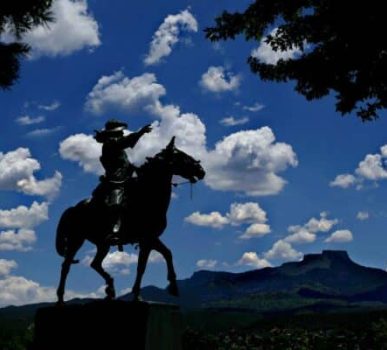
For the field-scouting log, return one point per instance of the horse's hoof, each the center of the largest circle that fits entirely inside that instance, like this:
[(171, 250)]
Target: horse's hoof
[(110, 293), (172, 289)]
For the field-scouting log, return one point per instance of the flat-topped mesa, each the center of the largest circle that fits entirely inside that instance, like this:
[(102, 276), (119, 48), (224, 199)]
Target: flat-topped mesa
[(332, 255)]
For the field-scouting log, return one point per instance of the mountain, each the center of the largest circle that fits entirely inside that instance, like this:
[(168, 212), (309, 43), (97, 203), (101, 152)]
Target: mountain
[(331, 275), (329, 280)]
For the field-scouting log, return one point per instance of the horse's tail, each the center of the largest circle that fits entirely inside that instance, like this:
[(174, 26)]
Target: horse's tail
[(66, 224)]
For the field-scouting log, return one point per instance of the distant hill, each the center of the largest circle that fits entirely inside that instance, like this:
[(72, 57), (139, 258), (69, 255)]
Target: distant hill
[(329, 276), (326, 281)]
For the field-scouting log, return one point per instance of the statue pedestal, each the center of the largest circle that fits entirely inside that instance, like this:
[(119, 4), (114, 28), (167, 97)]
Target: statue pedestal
[(109, 325)]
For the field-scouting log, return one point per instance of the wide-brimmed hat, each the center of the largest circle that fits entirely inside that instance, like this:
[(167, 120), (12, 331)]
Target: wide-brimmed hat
[(112, 127)]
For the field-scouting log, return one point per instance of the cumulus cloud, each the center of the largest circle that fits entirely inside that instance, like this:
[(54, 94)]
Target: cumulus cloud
[(256, 230), (48, 187), (118, 92), (343, 181), (248, 161), (340, 236), (19, 290), (6, 266), (206, 263), (28, 120), (20, 240), (307, 233), (24, 217), (213, 219), (74, 28), (84, 150), (253, 260), (168, 35), (120, 262), (17, 170), (282, 250), (231, 121), (217, 79), (371, 168), (239, 214), (363, 215), (267, 55)]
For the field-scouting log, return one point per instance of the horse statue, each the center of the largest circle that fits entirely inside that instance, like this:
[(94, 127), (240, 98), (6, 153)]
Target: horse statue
[(143, 219)]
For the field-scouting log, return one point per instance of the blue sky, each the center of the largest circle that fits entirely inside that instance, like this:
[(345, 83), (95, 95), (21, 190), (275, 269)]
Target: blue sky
[(285, 177)]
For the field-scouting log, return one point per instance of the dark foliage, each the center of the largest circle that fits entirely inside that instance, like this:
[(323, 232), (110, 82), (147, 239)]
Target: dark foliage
[(345, 50), (18, 17)]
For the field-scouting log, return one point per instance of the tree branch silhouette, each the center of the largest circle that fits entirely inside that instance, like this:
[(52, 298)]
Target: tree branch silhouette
[(343, 48), (18, 17)]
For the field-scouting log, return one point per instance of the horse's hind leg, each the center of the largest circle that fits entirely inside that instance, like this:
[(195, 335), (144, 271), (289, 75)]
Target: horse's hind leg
[(96, 264), (141, 265), (167, 254), (69, 259)]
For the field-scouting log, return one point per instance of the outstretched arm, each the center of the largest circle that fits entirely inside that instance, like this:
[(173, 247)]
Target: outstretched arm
[(129, 141)]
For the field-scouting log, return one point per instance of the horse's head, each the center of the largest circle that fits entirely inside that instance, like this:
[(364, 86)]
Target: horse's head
[(181, 163)]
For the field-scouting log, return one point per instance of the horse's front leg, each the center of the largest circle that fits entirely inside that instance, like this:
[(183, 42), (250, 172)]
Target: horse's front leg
[(167, 254), (141, 265), (96, 264)]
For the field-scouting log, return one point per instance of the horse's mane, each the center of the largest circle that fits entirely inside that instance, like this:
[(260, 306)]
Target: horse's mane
[(150, 163)]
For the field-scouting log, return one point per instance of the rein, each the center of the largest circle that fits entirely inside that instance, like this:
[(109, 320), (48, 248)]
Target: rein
[(176, 184)]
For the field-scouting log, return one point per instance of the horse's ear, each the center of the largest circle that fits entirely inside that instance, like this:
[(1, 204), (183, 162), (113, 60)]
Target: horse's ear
[(171, 143)]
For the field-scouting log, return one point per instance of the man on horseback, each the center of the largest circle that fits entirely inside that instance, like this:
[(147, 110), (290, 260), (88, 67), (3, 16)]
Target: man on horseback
[(118, 170)]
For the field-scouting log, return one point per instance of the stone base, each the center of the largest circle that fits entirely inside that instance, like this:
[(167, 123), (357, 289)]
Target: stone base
[(109, 325)]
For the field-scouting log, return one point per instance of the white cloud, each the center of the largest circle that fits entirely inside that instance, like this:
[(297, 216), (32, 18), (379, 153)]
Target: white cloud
[(301, 235), (168, 35), (217, 79), (343, 181), (120, 262), (307, 232), (267, 55), (83, 149), (371, 168), (48, 187), (340, 236), (6, 266), (239, 214), (214, 219), (282, 250), (16, 173), (249, 212), (50, 107), (253, 260), (20, 240), (24, 217), (27, 120), (206, 263), (43, 132), (248, 162), (231, 121), (18, 290), (256, 107), (117, 92), (256, 230), (74, 28), (362, 215)]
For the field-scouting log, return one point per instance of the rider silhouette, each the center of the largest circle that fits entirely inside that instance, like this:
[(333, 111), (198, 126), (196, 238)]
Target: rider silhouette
[(118, 170)]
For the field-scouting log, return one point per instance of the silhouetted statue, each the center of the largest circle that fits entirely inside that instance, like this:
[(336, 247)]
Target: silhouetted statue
[(143, 220), (118, 170)]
